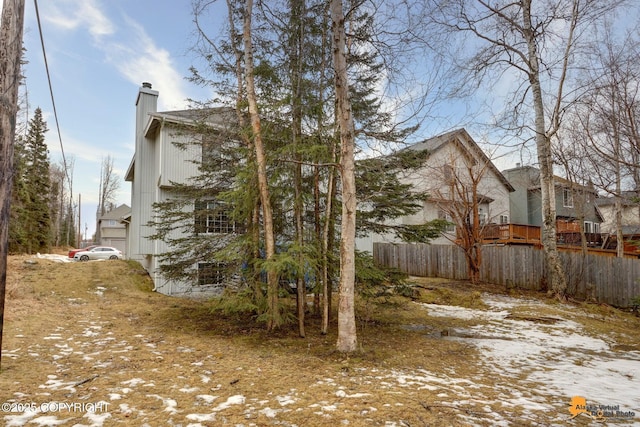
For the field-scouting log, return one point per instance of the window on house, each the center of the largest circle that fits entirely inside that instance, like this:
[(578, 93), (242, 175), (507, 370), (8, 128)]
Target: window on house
[(445, 216), (212, 216), (591, 227), (567, 198), (447, 172), (482, 218), (504, 219), (211, 273)]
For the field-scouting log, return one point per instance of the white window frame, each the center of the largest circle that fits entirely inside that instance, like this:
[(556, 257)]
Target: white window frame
[(591, 227), (448, 173), (567, 198), (211, 273), (218, 222), (451, 228), (483, 218)]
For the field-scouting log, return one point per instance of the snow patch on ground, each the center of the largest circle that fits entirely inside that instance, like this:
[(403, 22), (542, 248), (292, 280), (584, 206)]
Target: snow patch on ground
[(54, 257), (558, 358), (540, 362)]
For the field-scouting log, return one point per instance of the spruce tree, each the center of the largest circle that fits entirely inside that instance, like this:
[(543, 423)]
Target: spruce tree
[(18, 235), (37, 186), (384, 198), (296, 100)]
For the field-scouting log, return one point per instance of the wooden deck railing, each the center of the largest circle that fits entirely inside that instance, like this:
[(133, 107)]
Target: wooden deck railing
[(594, 240), (511, 233), (530, 234)]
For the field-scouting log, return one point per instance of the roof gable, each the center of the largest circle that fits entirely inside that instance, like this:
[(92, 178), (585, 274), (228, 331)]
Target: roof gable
[(216, 118), (533, 175), (463, 142), (117, 213)]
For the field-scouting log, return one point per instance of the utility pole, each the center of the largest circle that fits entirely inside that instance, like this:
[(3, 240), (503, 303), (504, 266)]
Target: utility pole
[(10, 53), (79, 243)]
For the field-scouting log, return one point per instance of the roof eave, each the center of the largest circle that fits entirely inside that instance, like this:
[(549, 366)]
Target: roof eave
[(128, 176)]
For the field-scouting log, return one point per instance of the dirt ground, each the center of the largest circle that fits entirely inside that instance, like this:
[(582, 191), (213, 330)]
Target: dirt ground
[(89, 344)]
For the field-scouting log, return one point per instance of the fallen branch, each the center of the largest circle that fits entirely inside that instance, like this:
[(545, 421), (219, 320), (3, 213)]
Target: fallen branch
[(86, 380)]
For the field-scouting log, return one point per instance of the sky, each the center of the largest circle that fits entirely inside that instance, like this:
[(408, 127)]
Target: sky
[(99, 53)]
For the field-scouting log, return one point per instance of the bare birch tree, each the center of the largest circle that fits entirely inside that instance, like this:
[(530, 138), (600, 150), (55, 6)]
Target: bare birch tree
[(605, 124), (274, 319), (109, 185), (347, 336), (536, 42)]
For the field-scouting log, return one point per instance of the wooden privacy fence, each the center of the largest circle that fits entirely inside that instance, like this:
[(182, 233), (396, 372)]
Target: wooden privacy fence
[(605, 279)]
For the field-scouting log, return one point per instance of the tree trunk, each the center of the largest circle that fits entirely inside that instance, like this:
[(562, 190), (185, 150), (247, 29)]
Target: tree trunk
[(253, 226), (618, 209), (318, 236), (274, 319), (325, 232), (327, 246), (347, 339), (618, 192), (10, 54), (556, 278), (296, 46)]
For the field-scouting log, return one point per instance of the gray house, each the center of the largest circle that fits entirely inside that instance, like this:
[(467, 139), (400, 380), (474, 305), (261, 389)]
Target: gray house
[(452, 156), (630, 204), (165, 155), (112, 230), (576, 207)]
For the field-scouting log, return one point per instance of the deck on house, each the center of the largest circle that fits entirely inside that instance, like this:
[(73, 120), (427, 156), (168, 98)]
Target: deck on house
[(520, 234)]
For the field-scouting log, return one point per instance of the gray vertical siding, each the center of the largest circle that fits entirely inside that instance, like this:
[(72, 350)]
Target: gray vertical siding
[(177, 164), (146, 103)]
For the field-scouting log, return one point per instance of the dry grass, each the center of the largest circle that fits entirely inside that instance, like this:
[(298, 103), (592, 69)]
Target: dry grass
[(96, 326)]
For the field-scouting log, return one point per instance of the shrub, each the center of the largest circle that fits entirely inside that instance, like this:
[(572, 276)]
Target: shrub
[(635, 304), (373, 281)]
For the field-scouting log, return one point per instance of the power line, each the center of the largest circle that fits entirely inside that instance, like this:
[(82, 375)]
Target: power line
[(53, 102)]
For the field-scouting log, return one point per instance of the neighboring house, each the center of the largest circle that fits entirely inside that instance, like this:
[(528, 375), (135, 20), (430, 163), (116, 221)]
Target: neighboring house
[(452, 159), (630, 203), (165, 155), (111, 229), (576, 207)]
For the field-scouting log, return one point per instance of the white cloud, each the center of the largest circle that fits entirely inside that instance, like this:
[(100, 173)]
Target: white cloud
[(129, 50), (81, 150), (73, 14), (144, 61), (97, 23)]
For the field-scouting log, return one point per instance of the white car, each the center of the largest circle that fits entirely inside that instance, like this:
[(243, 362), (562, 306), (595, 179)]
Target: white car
[(99, 252)]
